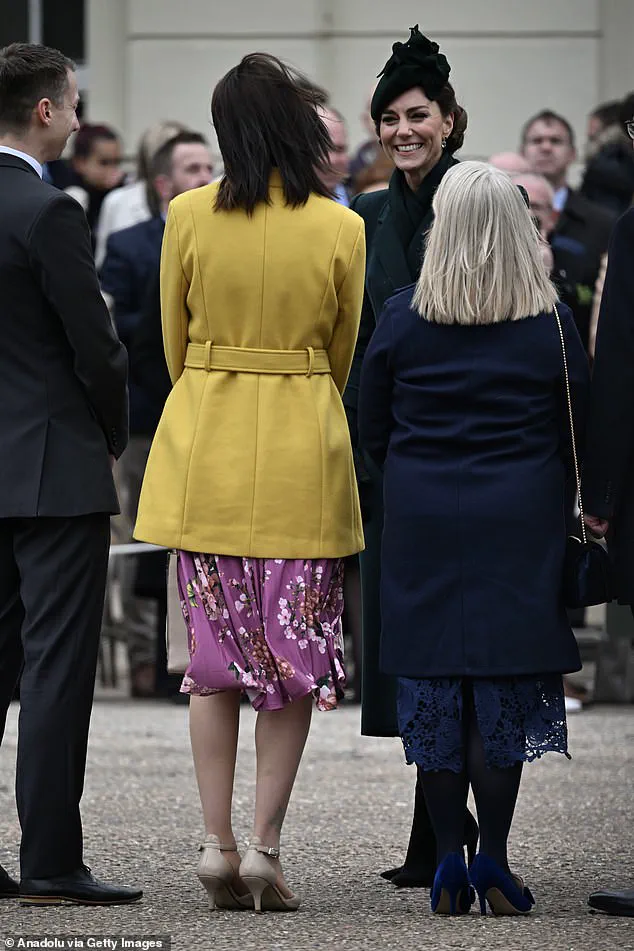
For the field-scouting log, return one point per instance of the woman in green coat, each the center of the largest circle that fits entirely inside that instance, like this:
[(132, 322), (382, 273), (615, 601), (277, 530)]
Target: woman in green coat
[(420, 125)]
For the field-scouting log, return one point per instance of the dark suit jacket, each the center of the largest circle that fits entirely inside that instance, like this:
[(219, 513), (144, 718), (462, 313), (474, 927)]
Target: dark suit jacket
[(130, 268), (578, 243), (148, 366), (63, 397), (608, 478), (472, 424)]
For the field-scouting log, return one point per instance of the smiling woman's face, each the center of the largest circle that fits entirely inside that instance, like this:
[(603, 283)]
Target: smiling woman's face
[(411, 131)]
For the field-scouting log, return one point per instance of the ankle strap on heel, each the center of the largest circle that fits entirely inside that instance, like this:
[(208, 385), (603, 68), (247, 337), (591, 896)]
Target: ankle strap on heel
[(265, 850), (212, 842)]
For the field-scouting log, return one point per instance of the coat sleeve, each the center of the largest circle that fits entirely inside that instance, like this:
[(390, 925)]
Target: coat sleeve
[(62, 259), (147, 355), (375, 392), (118, 279), (350, 298), (174, 290), (610, 437)]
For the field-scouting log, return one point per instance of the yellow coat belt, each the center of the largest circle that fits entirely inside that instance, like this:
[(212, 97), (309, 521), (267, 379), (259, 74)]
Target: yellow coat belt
[(206, 356)]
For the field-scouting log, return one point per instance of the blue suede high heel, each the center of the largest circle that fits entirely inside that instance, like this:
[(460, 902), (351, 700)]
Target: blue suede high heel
[(452, 893), (506, 894)]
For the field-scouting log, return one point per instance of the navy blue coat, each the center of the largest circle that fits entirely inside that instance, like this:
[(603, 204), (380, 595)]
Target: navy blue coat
[(472, 427), (128, 274)]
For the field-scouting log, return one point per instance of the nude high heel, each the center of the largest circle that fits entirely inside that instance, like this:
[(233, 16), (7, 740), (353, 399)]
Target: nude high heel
[(219, 878), (260, 877)]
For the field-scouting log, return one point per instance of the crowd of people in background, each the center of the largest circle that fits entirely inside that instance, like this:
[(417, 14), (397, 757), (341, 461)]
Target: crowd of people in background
[(126, 212)]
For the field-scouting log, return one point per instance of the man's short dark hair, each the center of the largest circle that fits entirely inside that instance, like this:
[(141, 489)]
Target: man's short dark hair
[(626, 110), (607, 113), (87, 137), (547, 115), (28, 73), (162, 161)]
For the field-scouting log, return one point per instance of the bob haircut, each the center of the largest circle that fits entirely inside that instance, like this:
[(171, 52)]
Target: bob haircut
[(482, 261), (265, 116)]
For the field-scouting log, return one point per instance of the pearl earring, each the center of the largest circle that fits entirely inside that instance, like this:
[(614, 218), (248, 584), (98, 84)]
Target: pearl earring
[(444, 143)]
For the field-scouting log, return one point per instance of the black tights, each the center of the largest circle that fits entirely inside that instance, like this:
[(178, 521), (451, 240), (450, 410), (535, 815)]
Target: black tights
[(495, 791)]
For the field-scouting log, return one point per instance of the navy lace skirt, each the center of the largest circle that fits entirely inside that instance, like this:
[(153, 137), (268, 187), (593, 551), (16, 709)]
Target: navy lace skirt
[(520, 719)]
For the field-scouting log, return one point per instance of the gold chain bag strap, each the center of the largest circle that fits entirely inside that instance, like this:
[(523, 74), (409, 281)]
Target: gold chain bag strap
[(587, 569)]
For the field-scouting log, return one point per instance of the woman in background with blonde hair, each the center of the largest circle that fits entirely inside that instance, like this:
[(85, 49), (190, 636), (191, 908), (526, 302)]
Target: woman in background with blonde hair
[(136, 201), (463, 401)]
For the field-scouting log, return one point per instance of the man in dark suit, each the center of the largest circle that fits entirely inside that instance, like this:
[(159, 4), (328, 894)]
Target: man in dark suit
[(129, 271), (582, 230), (63, 418), (608, 480)]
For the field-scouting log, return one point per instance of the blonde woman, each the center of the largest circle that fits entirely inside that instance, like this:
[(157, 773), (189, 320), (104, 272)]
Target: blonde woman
[(463, 402)]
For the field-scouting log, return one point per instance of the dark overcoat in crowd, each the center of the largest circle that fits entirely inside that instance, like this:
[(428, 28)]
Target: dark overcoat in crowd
[(608, 479), (129, 270), (609, 176), (578, 243), (471, 423), (394, 256)]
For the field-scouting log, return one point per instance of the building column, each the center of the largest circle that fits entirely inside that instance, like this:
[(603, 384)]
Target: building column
[(616, 66), (106, 58)]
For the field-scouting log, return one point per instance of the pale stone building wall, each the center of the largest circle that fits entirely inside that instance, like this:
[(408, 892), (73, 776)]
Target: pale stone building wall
[(152, 59)]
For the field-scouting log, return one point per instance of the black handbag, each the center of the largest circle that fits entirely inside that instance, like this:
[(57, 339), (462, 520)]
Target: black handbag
[(587, 576)]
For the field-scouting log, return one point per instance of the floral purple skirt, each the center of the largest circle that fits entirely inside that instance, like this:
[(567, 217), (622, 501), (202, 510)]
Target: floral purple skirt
[(269, 627)]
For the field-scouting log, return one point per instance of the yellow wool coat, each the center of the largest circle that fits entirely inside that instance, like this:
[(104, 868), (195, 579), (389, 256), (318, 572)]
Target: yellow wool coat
[(252, 455)]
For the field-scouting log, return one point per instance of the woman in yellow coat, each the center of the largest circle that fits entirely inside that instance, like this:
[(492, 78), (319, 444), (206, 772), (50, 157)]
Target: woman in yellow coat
[(250, 477)]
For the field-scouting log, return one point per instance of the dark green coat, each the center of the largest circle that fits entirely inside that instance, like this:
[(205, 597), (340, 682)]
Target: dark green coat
[(387, 271)]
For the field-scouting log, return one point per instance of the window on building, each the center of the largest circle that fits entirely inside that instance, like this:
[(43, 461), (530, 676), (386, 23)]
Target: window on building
[(57, 23), (14, 22), (63, 27)]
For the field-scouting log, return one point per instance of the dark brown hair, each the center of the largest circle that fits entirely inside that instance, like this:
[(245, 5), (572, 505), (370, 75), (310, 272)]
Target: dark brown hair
[(608, 113), (88, 136), (29, 73), (448, 105), (265, 117), (626, 110)]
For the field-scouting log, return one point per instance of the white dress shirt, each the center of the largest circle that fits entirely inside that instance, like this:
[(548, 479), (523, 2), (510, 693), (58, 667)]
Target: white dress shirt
[(560, 198), (24, 156)]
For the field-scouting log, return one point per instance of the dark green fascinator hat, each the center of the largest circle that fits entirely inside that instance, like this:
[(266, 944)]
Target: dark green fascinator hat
[(418, 62)]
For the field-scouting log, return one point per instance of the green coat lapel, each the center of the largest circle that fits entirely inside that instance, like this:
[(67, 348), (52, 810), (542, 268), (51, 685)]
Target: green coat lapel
[(389, 271)]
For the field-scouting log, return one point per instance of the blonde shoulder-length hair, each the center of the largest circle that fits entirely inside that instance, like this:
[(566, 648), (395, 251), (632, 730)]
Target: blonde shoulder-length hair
[(482, 261)]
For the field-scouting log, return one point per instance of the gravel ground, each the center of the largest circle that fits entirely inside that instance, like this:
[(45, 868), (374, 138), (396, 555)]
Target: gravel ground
[(349, 818)]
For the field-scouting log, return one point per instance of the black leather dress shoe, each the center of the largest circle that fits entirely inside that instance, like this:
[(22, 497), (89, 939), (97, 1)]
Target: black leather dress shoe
[(9, 888), (614, 903), (76, 888)]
